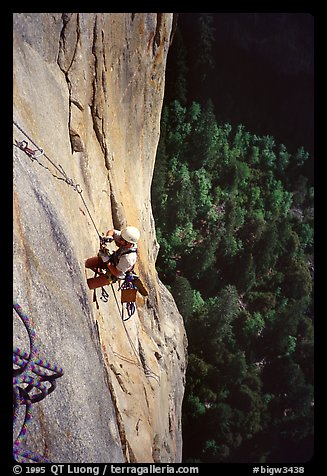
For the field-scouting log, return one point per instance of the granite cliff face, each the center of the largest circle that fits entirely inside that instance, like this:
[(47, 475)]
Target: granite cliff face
[(88, 89)]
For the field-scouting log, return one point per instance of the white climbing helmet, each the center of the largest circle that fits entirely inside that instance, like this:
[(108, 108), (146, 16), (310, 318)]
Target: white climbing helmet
[(131, 234)]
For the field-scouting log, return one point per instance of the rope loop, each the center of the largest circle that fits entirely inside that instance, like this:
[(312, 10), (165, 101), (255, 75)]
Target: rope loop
[(33, 380), (104, 295)]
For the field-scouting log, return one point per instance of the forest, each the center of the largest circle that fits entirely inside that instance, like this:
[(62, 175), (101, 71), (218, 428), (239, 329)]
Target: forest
[(234, 214)]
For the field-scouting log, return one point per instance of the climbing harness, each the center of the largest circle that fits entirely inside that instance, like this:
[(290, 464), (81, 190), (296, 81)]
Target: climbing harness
[(33, 380), (127, 288)]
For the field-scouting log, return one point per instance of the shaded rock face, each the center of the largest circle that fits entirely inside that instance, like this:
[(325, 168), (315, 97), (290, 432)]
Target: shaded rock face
[(88, 89)]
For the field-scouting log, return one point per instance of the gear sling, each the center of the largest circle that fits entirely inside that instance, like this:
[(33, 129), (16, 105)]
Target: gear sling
[(103, 276), (131, 283)]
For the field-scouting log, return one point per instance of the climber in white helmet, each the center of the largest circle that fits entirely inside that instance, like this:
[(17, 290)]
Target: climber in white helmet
[(120, 262), (125, 256)]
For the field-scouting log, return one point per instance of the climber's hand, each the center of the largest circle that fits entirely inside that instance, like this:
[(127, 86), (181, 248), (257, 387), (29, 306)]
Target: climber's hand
[(106, 239), (103, 256)]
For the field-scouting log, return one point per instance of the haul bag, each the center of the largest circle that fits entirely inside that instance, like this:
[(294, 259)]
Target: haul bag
[(128, 295)]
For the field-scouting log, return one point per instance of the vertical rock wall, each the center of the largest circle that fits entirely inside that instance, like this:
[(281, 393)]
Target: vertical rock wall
[(88, 89)]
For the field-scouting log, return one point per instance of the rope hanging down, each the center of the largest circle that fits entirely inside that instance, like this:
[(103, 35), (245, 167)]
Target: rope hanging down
[(33, 380), (23, 145), (147, 371)]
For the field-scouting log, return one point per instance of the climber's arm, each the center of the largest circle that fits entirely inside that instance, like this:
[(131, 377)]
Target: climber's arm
[(116, 272)]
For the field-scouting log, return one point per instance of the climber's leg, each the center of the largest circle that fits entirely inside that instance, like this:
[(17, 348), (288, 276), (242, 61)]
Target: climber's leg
[(94, 263), (98, 282)]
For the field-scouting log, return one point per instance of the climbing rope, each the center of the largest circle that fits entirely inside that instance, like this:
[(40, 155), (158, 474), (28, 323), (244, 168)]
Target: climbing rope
[(147, 371), (130, 307), (33, 380), (23, 145)]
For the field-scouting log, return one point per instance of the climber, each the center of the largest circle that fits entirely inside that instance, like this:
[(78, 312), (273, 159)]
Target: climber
[(118, 263)]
